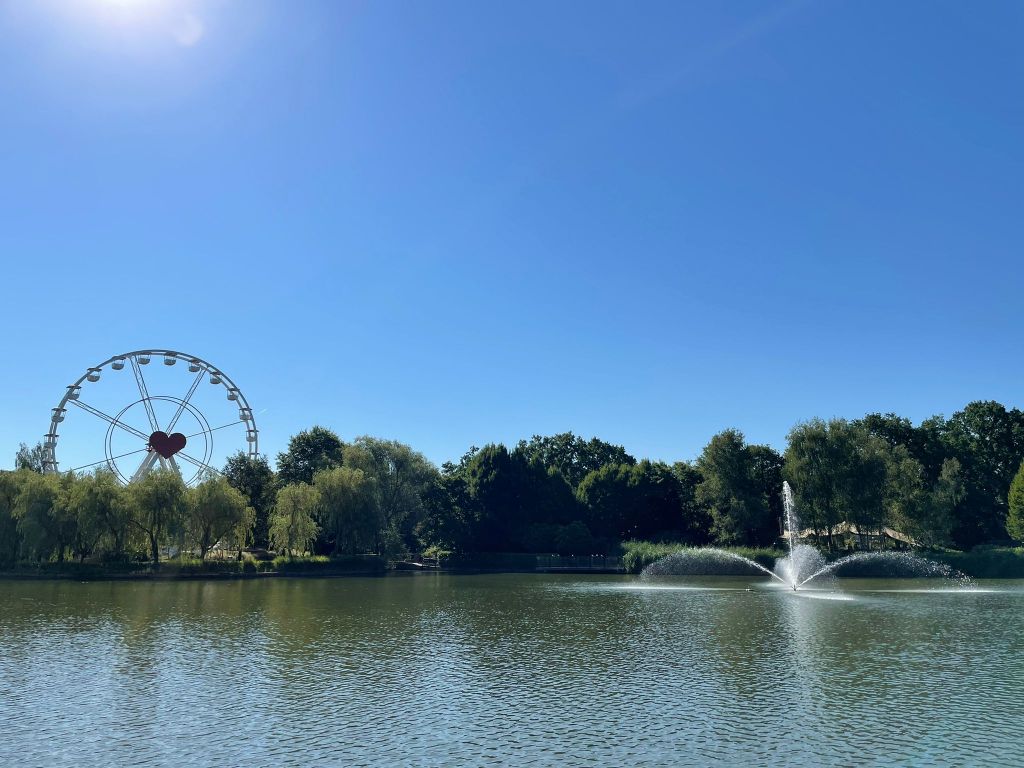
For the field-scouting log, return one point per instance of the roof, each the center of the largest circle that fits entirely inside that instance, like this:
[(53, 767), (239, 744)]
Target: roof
[(852, 528)]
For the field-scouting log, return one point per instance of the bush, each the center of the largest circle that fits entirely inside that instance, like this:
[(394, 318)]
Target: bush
[(435, 552), (637, 555), (574, 539), (540, 537), (984, 562), (314, 564)]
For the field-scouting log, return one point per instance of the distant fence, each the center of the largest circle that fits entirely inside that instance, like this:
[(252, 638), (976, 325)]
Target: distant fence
[(600, 563)]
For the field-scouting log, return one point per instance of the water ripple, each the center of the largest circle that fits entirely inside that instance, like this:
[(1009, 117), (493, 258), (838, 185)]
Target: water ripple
[(507, 670)]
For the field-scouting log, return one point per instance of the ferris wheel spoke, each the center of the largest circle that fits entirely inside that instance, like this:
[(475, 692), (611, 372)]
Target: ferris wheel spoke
[(208, 431), (107, 461), (145, 466), (141, 382), (196, 462), (106, 417), (188, 396)]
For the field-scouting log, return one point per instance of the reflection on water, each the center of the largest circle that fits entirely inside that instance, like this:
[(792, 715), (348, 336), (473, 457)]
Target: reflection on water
[(509, 669)]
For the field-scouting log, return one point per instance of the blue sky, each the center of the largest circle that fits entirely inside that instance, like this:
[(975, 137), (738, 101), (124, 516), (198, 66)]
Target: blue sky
[(457, 223)]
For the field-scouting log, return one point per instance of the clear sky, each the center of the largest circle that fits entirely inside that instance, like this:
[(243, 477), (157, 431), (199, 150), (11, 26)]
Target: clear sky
[(456, 223)]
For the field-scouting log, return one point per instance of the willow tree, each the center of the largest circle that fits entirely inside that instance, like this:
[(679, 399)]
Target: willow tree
[(349, 511), (1015, 514), (44, 517), (400, 476), (10, 539), (98, 500), (157, 506), (293, 527), (215, 511)]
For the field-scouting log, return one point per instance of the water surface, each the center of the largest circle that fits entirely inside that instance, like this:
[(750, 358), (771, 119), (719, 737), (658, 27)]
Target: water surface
[(516, 669)]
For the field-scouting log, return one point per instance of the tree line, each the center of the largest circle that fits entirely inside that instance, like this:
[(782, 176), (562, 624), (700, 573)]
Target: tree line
[(945, 482)]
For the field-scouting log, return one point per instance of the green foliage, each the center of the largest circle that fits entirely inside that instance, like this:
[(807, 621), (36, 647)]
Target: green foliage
[(399, 478), (309, 452), (985, 562), (99, 502), (45, 522), (349, 513), (216, 512), (1015, 505), (988, 441), (839, 472), (632, 500), (637, 555), (255, 480), (446, 519), (738, 487), (10, 538), (572, 456), (319, 564), (293, 525), (437, 553), (574, 539), (30, 459), (157, 507)]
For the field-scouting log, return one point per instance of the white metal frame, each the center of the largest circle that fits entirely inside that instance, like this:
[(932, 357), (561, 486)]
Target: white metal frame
[(137, 360)]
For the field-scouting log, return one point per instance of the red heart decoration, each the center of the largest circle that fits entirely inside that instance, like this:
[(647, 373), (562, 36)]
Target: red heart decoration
[(166, 445)]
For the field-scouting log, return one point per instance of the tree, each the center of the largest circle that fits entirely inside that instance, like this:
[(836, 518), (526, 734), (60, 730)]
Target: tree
[(293, 526), (400, 477), (573, 456), (695, 526), (99, 503), (253, 477), (349, 511), (308, 453), (157, 506), (767, 465), (935, 525), (609, 500), (494, 488), (574, 539), (733, 491), (30, 458), (216, 510), (445, 522), (865, 488), (1015, 506), (624, 501), (10, 539), (44, 522), (922, 443), (988, 441), (817, 468)]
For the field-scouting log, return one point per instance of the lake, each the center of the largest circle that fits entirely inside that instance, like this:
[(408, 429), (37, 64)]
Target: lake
[(509, 669)]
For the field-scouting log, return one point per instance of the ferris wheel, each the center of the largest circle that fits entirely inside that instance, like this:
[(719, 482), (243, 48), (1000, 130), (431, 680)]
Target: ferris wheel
[(140, 431)]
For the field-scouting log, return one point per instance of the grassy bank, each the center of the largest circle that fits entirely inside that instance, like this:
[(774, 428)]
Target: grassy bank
[(637, 555)]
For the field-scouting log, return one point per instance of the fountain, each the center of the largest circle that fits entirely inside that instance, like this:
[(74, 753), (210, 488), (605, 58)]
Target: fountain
[(802, 565)]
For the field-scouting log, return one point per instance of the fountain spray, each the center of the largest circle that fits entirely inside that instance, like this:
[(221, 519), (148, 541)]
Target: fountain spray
[(791, 524)]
